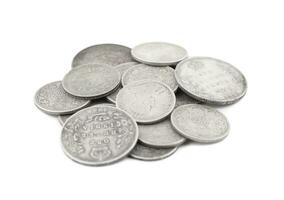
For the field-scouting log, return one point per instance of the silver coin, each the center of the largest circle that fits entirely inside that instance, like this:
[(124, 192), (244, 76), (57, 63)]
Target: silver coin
[(160, 135), (53, 99), (146, 72), (183, 99), (159, 53), (146, 101), (211, 80), (200, 123), (91, 81), (142, 152), (109, 54), (99, 135)]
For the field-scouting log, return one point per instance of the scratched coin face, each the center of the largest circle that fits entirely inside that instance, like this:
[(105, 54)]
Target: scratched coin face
[(108, 54), (99, 135), (146, 101), (159, 53), (200, 123), (146, 72), (91, 81), (211, 80), (53, 99), (160, 134), (182, 99), (142, 152)]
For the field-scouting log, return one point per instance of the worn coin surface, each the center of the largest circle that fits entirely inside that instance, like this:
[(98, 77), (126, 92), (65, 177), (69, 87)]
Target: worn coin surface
[(146, 72), (91, 81), (109, 54), (159, 53), (200, 123), (142, 152), (99, 135), (146, 101), (160, 135), (182, 99), (53, 99), (211, 80)]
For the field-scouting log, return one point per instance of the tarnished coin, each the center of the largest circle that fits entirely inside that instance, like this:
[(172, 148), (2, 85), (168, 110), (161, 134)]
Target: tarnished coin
[(146, 101), (159, 53), (91, 81), (142, 152), (99, 135), (53, 99), (182, 99), (108, 54), (200, 123), (160, 135), (211, 80), (121, 69), (146, 72)]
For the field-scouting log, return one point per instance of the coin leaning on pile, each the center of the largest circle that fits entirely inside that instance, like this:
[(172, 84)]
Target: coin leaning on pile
[(143, 102)]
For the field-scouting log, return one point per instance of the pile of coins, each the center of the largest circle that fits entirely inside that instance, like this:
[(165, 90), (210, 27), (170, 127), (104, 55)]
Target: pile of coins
[(144, 102)]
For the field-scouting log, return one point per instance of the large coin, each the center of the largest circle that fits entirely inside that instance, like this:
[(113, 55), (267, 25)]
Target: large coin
[(211, 80), (142, 152), (99, 135), (159, 53), (109, 54), (146, 72), (160, 134), (146, 101), (91, 81), (200, 123), (182, 99), (53, 99)]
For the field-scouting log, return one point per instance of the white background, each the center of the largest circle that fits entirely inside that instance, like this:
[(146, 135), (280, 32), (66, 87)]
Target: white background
[(38, 40)]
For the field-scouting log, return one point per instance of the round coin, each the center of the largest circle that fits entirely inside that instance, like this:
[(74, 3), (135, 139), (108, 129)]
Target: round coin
[(108, 54), (160, 135), (159, 53), (142, 152), (91, 81), (146, 72), (99, 135), (200, 123), (211, 80), (146, 101), (53, 99)]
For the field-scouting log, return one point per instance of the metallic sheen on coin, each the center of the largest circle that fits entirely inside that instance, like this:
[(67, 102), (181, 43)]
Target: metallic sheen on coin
[(146, 101), (53, 99), (211, 80), (159, 53), (107, 54), (200, 123), (99, 135)]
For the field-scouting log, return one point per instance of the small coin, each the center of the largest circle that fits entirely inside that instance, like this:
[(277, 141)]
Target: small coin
[(211, 80), (142, 152), (200, 123), (99, 135), (160, 135), (159, 53), (108, 54), (146, 101), (91, 81), (53, 99), (146, 72), (182, 99)]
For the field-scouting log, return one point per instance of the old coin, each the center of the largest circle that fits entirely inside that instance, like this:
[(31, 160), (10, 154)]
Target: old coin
[(200, 123), (142, 152), (108, 54), (182, 99), (146, 101), (99, 135), (91, 81), (146, 72), (211, 80), (160, 135), (53, 99), (159, 53)]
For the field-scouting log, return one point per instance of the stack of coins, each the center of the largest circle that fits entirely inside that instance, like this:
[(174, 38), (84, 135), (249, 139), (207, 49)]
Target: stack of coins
[(144, 102)]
